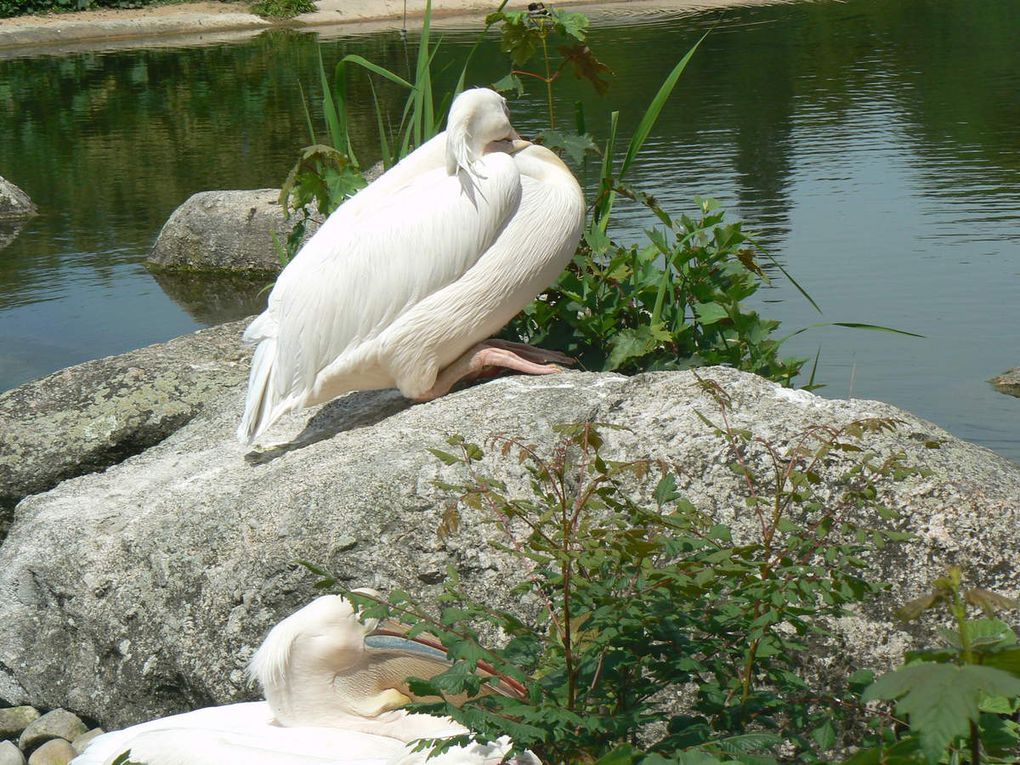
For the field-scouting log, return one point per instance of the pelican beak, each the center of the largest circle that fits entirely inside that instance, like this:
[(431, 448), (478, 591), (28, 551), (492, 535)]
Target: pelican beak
[(516, 142), (391, 636)]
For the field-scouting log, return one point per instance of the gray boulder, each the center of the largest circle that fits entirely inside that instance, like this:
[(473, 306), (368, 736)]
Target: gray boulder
[(87, 417), (144, 590), (223, 231), (1008, 382), (14, 203)]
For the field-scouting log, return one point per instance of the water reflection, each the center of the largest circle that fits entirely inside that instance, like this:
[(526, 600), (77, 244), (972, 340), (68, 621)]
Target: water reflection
[(215, 298), (9, 230), (874, 144)]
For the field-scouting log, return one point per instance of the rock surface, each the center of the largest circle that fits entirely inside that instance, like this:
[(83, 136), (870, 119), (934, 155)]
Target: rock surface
[(14, 203), (10, 754), (79, 744), (58, 724), (13, 720), (223, 231), (88, 417), (143, 591), (1008, 382), (56, 751)]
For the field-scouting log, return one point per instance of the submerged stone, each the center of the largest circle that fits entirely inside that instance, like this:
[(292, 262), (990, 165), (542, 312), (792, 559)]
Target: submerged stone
[(14, 203), (1008, 382)]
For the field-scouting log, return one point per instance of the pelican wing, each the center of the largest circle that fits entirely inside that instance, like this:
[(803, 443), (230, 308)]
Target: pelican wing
[(375, 258)]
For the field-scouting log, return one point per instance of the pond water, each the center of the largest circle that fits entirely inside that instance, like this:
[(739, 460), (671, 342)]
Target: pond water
[(874, 144)]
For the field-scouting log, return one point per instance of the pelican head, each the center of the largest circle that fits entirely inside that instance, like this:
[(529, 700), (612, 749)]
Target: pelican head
[(323, 662), (479, 121)]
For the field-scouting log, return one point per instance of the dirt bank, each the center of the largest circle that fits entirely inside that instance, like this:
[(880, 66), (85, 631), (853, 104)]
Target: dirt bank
[(210, 22)]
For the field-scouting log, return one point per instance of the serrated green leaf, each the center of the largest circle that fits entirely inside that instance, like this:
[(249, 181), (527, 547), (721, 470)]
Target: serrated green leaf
[(665, 490), (710, 313), (941, 699), (508, 83), (445, 457), (1007, 661)]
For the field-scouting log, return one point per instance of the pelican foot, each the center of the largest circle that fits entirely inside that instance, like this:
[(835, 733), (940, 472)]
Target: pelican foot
[(487, 358)]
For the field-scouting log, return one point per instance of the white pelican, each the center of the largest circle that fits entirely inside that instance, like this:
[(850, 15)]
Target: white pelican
[(333, 688), (404, 282)]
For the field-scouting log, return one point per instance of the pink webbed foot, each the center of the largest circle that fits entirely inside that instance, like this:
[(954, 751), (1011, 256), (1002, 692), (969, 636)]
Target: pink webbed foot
[(489, 357)]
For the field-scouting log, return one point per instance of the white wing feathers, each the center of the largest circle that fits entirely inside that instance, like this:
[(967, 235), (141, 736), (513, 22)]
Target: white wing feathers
[(413, 232), (245, 734)]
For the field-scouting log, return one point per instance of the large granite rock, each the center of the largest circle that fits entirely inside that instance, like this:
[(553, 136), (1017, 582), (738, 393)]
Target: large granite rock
[(224, 231), (14, 203), (144, 590), (87, 417)]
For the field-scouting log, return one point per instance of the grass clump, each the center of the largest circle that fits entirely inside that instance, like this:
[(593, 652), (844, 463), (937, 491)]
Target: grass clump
[(282, 9)]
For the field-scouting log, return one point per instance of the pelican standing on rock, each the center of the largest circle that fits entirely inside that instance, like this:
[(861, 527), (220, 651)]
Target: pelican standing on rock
[(403, 283), (333, 686)]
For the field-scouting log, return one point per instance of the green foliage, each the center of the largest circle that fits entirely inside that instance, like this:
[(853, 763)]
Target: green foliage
[(642, 599), (282, 9), (327, 175), (961, 699), (526, 34), (676, 302), (10, 8)]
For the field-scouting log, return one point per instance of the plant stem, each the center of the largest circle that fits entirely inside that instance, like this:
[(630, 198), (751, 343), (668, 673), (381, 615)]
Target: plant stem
[(548, 81), (975, 744)]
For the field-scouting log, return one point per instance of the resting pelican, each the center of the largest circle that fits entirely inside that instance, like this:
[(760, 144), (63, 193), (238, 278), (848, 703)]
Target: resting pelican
[(333, 688), (404, 282)]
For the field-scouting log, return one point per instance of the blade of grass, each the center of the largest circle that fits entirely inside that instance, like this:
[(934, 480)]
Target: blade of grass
[(422, 114), (337, 134), (459, 88), (384, 144), (308, 115), (651, 114), (785, 273), (382, 71), (644, 128), (849, 325), (605, 205)]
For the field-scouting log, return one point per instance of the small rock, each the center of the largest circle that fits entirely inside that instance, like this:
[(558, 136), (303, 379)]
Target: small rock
[(56, 751), (10, 754), (85, 739), (1008, 382), (223, 231), (14, 720), (14, 203), (56, 724)]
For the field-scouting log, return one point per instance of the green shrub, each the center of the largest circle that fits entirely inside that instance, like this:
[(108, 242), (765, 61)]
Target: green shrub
[(646, 600), (10, 8), (284, 9), (959, 702)]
